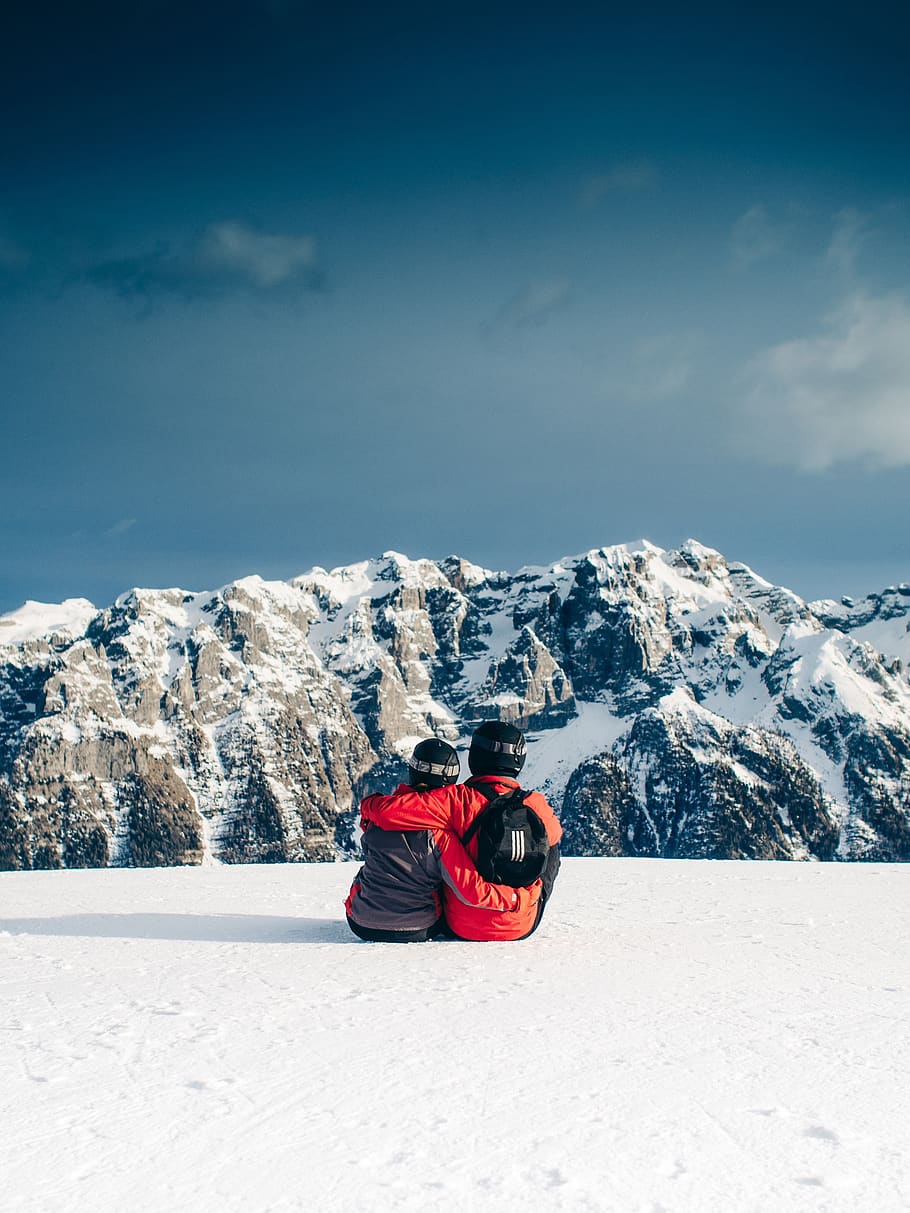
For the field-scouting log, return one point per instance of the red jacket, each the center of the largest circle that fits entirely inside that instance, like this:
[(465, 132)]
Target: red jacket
[(474, 909)]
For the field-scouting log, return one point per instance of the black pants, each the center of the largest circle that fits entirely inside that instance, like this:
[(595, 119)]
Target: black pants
[(375, 935)]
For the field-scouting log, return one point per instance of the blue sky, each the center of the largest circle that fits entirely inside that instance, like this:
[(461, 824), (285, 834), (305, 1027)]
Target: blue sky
[(282, 288)]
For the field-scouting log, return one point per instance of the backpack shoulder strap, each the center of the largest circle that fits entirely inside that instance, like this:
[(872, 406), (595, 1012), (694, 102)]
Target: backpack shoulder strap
[(485, 790)]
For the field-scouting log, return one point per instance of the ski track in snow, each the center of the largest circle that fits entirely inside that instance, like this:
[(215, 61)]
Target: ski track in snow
[(677, 1036)]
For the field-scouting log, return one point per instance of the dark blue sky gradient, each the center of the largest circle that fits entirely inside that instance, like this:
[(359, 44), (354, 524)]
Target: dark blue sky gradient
[(279, 288)]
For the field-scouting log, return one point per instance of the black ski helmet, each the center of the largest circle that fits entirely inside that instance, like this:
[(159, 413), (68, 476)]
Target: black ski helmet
[(497, 748), (434, 764)]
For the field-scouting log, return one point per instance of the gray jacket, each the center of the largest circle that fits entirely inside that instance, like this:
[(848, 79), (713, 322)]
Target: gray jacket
[(397, 889)]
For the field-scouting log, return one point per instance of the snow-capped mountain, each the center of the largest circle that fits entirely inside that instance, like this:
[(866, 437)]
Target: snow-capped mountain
[(676, 705)]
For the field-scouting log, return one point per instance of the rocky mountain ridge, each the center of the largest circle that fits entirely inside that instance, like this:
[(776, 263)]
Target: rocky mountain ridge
[(676, 705)]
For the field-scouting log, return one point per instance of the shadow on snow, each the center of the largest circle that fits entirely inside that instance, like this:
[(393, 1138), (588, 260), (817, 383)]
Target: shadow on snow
[(205, 928)]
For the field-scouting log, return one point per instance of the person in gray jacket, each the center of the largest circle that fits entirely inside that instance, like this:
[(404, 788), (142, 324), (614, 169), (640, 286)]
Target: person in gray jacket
[(395, 897)]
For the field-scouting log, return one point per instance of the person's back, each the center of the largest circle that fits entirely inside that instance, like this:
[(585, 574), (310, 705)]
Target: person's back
[(496, 757), (395, 896)]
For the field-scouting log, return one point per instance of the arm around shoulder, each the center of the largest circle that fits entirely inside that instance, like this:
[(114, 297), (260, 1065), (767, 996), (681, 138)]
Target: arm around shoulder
[(460, 874), (406, 809)]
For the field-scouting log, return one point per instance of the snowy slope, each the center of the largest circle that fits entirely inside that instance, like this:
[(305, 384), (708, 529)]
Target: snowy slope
[(56, 620), (682, 1036)]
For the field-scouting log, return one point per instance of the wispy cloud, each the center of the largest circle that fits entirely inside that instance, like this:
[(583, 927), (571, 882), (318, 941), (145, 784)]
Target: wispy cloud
[(262, 260), (840, 396), (755, 237), (662, 367), (533, 304), (851, 229), (120, 528), (621, 178), (228, 257)]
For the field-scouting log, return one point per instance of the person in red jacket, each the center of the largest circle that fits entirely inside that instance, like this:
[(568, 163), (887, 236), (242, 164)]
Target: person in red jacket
[(396, 896), (496, 757)]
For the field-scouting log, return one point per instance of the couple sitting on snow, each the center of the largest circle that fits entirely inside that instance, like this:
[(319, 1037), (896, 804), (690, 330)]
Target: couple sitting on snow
[(426, 845)]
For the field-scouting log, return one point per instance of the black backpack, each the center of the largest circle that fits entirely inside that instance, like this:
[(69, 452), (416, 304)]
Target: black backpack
[(512, 843)]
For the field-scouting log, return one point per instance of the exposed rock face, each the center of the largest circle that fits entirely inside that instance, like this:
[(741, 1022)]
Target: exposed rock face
[(603, 809), (178, 726), (676, 706), (706, 790)]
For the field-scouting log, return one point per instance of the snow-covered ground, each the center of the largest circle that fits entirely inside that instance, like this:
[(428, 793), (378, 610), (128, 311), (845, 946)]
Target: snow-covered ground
[(676, 1036)]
